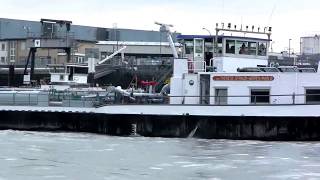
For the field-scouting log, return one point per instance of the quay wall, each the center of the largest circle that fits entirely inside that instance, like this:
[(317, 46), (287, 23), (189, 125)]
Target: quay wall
[(180, 126)]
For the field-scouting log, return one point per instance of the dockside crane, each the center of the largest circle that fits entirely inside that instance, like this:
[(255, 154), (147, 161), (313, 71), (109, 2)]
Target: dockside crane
[(166, 28)]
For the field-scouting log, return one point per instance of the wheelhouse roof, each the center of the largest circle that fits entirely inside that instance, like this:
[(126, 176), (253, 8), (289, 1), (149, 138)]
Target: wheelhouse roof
[(220, 37)]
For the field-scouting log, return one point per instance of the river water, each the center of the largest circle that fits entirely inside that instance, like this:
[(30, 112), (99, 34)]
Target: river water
[(43, 155)]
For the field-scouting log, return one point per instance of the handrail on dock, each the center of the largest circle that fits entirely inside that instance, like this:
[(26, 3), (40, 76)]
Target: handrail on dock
[(78, 99)]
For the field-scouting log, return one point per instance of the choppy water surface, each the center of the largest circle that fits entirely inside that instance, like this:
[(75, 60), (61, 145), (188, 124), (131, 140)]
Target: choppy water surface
[(40, 155)]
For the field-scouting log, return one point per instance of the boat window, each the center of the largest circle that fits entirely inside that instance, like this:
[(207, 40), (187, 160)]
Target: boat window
[(208, 46), (252, 46), (247, 48), (230, 46), (198, 45), (242, 47), (312, 96), (219, 48), (221, 96), (189, 47), (260, 96), (262, 50)]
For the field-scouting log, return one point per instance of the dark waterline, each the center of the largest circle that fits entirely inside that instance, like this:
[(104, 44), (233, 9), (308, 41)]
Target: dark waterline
[(44, 155)]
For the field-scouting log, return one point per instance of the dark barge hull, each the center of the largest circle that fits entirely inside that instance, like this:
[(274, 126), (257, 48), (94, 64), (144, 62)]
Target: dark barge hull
[(181, 126)]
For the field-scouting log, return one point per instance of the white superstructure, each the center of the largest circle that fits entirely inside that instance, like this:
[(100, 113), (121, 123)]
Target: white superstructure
[(239, 75)]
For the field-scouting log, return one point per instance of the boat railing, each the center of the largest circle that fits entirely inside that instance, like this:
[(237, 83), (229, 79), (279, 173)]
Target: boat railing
[(278, 99), (95, 99), (196, 66), (211, 62)]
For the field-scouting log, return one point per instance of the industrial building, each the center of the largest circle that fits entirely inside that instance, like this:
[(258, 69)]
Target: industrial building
[(15, 33), (310, 50), (310, 45), (35, 44)]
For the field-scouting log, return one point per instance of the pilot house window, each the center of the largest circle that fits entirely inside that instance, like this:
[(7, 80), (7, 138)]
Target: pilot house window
[(252, 48), (242, 47), (230, 46), (189, 47), (260, 96), (247, 48), (262, 49)]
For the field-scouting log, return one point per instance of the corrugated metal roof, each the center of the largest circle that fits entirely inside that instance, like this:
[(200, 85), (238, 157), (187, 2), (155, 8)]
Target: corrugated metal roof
[(18, 29)]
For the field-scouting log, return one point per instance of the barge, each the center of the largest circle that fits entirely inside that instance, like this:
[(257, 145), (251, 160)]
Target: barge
[(236, 95)]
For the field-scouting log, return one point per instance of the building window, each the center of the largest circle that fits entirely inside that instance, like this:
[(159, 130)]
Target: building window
[(3, 60), (312, 96), (12, 52), (23, 46), (107, 36), (260, 96), (221, 96), (80, 60), (12, 58), (61, 77), (3, 47), (230, 46), (12, 44)]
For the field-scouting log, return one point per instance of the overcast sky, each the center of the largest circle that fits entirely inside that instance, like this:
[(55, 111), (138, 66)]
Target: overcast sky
[(290, 19)]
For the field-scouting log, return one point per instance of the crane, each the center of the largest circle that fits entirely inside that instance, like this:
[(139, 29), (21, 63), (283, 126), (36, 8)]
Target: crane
[(166, 28), (112, 55)]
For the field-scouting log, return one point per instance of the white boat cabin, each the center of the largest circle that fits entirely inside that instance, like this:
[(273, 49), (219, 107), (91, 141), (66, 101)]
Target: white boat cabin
[(62, 77), (239, 75), (68, 74)]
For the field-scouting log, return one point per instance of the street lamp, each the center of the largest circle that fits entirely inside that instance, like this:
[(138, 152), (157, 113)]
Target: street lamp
[(212, 39), (207, 31), (289, 46)]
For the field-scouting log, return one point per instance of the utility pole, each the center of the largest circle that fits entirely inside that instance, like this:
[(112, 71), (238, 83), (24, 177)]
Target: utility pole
[(289, 46)]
